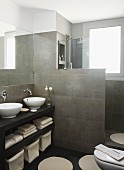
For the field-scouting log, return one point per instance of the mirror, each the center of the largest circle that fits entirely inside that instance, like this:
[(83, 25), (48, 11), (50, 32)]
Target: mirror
[(7, 46), (16, 55), (8, 39)]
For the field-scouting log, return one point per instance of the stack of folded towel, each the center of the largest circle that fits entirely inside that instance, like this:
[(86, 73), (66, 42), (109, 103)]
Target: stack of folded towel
[(43, 122), (114, 153), (26, 130), (12, 139)]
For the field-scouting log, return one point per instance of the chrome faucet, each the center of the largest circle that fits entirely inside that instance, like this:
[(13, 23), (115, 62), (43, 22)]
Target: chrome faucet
[(28, 90), (4, 95)]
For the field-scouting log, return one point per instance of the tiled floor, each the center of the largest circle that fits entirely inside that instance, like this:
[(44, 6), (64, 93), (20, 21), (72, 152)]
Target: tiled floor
[(72, 156)]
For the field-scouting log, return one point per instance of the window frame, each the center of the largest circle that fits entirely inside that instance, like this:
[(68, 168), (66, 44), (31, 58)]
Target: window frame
[(104, 24), (111, 74)]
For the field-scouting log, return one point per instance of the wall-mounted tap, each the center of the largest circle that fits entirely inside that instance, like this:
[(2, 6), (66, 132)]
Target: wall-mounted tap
[(4, 95), (28, 90)]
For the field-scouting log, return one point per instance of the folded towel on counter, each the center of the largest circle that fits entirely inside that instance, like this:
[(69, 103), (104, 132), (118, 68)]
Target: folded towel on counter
[(42, 121), (27, 133), (12, 139), (110, 152), (43, 126), (27, 127)]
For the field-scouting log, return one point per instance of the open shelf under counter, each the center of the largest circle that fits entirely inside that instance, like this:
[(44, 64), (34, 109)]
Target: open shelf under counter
[(8, 126), (26, 141)]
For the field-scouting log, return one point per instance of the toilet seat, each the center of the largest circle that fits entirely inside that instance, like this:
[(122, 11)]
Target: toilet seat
[(105, 158)]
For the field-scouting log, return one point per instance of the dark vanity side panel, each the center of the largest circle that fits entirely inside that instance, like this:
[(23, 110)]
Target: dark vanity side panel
[(2, 153)]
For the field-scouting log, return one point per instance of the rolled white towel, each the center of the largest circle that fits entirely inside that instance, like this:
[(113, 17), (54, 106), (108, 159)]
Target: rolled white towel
[(118, 155)]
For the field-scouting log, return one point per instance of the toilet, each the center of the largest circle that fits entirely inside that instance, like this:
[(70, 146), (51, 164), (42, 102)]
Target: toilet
[(106, 162)]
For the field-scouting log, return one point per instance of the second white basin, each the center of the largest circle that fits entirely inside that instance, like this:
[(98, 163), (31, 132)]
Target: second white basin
[(34, 103), (10, 110)]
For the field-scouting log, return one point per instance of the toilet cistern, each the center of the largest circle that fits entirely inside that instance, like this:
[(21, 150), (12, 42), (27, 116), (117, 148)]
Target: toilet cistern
[(4, 95)]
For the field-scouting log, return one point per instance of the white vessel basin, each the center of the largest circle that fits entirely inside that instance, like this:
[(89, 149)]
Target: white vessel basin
[(10, 110), (34, 103)]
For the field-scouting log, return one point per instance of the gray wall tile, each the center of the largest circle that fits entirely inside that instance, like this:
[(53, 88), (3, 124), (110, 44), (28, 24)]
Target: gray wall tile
[(63, 106), (78, 130), (78, 95), (62, 128), (15, 93)]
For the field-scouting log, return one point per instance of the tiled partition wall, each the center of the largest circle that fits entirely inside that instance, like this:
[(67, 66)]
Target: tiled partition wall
[(79, 97), (115, 105)]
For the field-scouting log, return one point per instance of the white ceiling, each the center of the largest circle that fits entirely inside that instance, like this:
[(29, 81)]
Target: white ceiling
[(79, 10)]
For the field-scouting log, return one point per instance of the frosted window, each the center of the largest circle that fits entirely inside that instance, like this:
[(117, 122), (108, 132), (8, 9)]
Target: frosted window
[(105, 49)]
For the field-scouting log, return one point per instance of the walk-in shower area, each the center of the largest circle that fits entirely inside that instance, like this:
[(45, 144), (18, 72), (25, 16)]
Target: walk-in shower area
[(76, 54)]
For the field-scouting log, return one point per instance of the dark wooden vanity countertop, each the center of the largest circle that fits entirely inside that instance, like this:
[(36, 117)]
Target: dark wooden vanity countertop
[(23, 117)]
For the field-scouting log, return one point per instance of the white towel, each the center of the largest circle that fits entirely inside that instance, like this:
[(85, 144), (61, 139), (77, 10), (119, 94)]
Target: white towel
[(26, 134), (43, 126), (43, 120), (12, 139), (110, 152), (27, 127), (30, 133)]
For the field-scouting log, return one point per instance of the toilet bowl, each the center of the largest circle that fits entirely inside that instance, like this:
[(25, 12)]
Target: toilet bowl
[(106, 162)]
